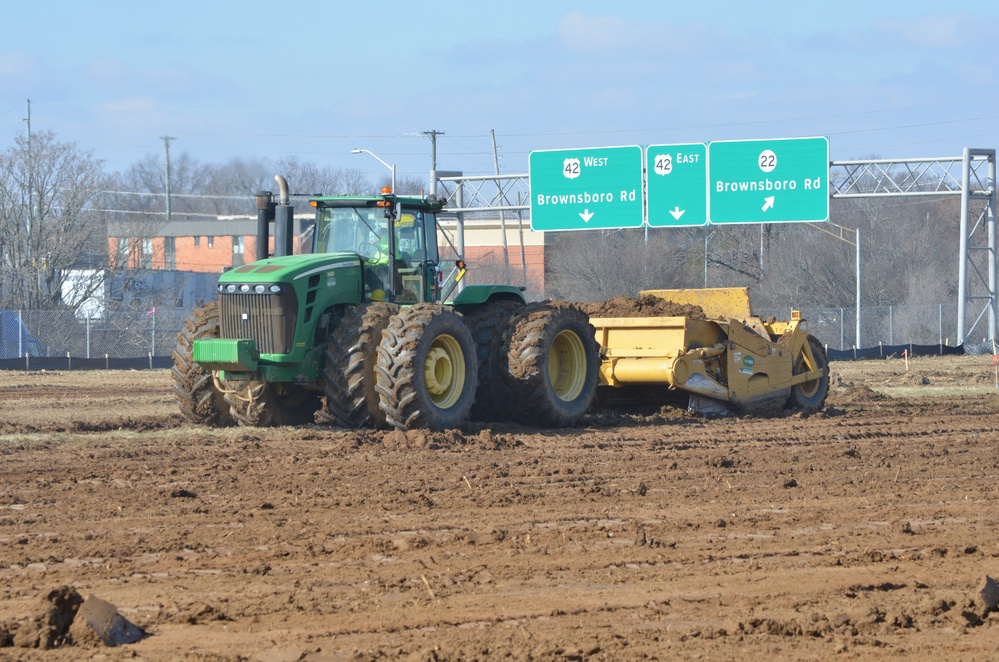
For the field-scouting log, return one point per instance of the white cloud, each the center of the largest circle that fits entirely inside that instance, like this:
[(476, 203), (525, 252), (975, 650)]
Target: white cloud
[(130, 105), (14, 63), (578, 31), (928, 31)]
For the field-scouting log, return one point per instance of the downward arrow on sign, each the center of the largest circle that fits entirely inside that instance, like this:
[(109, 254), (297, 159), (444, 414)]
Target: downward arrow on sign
[(676, 212), (768, 202), (586, 215)]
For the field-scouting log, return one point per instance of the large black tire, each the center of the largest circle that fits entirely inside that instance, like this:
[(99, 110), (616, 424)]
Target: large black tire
[(487, 324), (810, 396), (552, 365), (349, 370), (426, 371), (200, 400), (262, 404)]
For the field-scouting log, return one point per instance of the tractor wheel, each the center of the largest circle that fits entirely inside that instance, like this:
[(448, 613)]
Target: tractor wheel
[(552, 362), (262, 404), (426, 371), (200, 400), (349, 370), (487, 324), (810, 396)]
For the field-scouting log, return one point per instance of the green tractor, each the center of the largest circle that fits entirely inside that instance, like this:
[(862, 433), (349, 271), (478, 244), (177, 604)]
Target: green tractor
[(361, 332)]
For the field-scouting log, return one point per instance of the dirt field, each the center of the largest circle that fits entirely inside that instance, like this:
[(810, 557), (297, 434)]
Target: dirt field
[(863, 532)]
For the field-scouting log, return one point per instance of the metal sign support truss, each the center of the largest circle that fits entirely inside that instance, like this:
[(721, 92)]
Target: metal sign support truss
[(972, 176)]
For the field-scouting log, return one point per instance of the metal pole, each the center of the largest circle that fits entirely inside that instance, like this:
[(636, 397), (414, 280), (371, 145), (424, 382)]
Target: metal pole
[(166, 168), (858, 287), (459, 196), (991, 219), (705, 257), (842, 314), (761, 251), (506, 249), (523, 252), (962, 270), (432, 134)]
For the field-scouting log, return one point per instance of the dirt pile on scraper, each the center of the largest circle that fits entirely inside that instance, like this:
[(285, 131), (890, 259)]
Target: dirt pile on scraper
[(644, 305)]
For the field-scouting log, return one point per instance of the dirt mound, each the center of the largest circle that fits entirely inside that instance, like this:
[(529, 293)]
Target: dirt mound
[(49, 623), (645, 305)]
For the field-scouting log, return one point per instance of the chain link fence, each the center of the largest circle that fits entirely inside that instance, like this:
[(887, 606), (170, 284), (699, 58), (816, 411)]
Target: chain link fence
[(152, 334), (124, 334), (836, 328)]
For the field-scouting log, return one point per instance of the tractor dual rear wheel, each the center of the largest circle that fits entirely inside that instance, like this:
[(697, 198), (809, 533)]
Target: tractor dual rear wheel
[(810, 396), (200, 401), (349, 370), (552, 365), (426, 373), (488, 324)]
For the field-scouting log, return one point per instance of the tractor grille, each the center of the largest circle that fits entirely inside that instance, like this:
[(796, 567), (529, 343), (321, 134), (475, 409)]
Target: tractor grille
[(267, 318)]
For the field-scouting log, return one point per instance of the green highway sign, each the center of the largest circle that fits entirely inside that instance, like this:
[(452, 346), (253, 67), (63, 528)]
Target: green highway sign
[(587, 189), (768, 181), (677, 181)]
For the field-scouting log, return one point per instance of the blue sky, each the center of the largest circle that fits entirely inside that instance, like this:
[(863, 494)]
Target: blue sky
[(314, 79)]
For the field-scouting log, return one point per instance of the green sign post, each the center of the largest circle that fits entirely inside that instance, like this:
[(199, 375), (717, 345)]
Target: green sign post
[(677, 181), (587, 189), (768, 181)]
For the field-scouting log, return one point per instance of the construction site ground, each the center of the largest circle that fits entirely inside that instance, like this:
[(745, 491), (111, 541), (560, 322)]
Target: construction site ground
[(863, 532)]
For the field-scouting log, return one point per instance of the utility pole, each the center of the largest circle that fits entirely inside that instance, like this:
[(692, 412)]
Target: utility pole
[(432, 134), (501, 201), (166, 147), (31, 183)]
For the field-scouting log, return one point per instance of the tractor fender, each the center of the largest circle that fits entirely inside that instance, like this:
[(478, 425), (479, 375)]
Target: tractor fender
[(475, 295)]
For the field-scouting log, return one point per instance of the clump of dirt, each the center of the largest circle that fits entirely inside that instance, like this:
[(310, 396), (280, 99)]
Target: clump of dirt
[(49, 625), (644, 305), (448, 440), (64, 618), (912, 379), (861, 394)]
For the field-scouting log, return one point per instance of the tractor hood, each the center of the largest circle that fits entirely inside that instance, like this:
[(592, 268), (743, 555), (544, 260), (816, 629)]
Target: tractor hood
[(287, 269)]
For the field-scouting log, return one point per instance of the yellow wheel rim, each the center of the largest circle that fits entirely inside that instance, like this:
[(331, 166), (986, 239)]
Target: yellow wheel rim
[(444, 371), (810, 388), (567, 366)]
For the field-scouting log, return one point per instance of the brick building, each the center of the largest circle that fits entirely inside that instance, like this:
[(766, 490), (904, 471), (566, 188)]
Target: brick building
[(212, 245)]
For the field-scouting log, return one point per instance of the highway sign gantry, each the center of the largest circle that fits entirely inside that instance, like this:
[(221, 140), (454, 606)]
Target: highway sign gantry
[(587, 189), (677, 185), (768, 181)]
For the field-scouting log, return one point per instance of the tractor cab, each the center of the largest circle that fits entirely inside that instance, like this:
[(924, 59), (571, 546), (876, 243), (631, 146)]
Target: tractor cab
[(394, 236)]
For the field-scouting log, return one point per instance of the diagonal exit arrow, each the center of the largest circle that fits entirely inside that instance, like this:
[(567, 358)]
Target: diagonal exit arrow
[(586, 215), (768, 202)]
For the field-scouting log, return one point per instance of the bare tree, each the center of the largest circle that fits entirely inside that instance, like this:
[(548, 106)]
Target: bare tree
[(229, 188), (309, 180), (148, 176), (49, 226), (591, 266)]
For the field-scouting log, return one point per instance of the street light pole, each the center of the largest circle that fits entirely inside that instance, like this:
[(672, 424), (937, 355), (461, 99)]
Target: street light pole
[(387, 165)]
